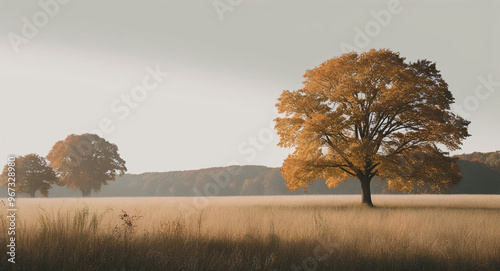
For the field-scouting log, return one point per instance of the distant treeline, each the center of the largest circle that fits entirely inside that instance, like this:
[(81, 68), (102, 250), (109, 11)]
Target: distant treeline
[(490, 159), (480, 175)]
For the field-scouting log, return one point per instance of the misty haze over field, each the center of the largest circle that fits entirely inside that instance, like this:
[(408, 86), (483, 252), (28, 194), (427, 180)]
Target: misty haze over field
[(225, 70)]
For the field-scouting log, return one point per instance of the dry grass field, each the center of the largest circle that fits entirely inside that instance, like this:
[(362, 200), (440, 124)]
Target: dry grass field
[(404, 232)]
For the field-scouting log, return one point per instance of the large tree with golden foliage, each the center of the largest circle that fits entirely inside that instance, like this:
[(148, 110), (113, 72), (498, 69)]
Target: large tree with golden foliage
[(371, 114), (32, 174), (86, 162)]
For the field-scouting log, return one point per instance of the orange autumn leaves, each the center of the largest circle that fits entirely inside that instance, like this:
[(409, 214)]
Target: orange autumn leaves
[(86, 162), (371, 114)]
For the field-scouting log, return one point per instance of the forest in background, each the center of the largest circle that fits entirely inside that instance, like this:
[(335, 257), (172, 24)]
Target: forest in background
[(480, 175)]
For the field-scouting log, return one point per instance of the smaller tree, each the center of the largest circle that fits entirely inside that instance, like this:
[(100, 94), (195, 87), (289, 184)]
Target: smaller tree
[(32, 174), (86, 162)]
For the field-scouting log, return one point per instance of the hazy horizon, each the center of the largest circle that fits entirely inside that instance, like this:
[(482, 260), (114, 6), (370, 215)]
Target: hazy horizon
[(78, 71)]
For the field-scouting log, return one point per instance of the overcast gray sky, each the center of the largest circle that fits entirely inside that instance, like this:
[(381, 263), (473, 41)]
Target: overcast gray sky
[(74, 66)]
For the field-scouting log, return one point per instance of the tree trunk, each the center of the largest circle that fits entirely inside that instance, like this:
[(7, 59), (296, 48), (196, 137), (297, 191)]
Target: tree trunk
[(32, 194), (86, 192), (366, 193)]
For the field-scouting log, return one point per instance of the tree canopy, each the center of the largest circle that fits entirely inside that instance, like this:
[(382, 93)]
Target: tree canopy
[(32, 174), (86, 162), (371, 114)]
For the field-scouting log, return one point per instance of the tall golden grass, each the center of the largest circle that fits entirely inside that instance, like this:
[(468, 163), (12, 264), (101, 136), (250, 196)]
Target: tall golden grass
[(405, 232)]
